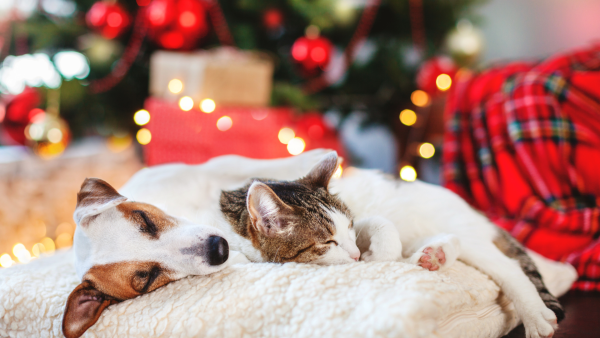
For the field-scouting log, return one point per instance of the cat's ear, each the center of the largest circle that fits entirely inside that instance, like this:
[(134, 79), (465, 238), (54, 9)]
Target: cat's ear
[(84, 306), (265, 209), (320, 175)]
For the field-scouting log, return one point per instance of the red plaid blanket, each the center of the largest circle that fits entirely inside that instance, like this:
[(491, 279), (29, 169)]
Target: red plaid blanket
[(522, 144)]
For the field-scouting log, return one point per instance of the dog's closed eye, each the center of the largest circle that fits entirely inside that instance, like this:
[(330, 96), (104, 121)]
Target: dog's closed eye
[(142, 280), (147, 225)]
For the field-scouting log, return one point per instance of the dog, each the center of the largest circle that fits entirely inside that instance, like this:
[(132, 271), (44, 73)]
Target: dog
[(130, 242)]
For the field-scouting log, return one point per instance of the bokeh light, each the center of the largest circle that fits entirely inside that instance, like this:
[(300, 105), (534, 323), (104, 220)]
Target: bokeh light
[(186, 103), (408, 173), (143, 136), (443, 82), (141, 117), (338, 172), (38, 249), (48, 244), (175, 86), (6, 261), (296, 146), (21, 253), (419, 98), (285, 135), (426, 150), (224, 123), (64, 240), (207, 106), (54, 135), (408, 117)]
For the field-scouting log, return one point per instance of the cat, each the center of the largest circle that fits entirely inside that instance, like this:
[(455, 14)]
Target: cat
[(292, 221), (313, 220)]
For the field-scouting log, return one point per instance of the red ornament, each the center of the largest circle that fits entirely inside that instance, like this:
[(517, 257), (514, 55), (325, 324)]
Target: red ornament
[(176, 24), (272, 19), (109, 19), (312, 53), (19, 111), (431, 69)]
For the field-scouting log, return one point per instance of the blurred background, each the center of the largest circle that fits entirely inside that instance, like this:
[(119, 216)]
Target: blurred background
[(103, 88)]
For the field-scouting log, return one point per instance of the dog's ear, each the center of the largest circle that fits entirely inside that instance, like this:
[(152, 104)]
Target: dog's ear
[(321, 173), (94, 197), (84, 306)]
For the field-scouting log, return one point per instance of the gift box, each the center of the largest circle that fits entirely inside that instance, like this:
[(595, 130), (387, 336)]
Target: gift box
[(225, 75), (194, 137)]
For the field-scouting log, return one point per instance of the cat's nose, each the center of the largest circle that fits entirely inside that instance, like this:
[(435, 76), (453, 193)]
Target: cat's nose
[(355, 255), (218, 250)]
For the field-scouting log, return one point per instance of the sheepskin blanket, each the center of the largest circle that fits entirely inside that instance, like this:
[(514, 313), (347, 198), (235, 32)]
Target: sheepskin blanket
[(386, 299)]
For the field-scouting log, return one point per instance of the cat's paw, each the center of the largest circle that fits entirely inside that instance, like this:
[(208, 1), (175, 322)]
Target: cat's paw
[(540, 324), (432, 258)]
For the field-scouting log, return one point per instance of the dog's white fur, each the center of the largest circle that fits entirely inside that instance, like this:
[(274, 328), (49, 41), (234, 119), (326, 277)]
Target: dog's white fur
[(393, 218)]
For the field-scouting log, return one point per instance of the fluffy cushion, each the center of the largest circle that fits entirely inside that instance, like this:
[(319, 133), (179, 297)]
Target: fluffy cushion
[(387, 299)]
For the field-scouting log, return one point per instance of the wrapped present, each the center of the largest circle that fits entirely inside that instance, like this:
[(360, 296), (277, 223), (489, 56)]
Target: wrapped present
[(225, 75), (195, 137)]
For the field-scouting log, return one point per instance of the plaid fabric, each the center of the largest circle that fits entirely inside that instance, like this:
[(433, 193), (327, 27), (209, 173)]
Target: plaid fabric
[(522, 144)]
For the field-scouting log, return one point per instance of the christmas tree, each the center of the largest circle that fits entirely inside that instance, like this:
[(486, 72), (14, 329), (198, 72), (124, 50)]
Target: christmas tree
[(341, 54)]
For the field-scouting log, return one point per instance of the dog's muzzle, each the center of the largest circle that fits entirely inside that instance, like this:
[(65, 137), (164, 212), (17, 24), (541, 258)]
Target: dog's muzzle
[(218, 250)]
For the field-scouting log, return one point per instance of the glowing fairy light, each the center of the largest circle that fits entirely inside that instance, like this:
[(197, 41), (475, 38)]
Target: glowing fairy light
[(38, 249), (443, 82), (6, 261), (426, 150), (64, 240), (143, 136), (408, 117), (186, 103), (141, 117), (175, 86), (224, 123), (48, 244), (419, 98), (296, 146), (285, 135), (338, 172), (408, 173), (21, 253), (207, 106), (54, 135)]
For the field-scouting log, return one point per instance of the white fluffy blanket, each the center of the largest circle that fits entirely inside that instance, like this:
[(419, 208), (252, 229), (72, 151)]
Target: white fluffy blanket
[(272, 300)]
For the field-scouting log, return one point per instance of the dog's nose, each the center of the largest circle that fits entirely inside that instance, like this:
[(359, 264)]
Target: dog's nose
[(218, 250)]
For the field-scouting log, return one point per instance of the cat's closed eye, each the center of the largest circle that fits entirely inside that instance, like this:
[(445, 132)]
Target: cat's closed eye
[(332, 241)]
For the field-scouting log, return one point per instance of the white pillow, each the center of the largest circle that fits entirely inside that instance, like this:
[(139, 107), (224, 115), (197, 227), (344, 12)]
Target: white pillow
[(387, 299)]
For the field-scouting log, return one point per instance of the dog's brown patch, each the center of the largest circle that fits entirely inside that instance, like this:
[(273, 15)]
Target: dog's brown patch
[(151, 220), (125, 280)]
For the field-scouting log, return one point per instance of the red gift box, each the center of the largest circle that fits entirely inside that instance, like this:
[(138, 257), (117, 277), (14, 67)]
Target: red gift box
[(193, 137)]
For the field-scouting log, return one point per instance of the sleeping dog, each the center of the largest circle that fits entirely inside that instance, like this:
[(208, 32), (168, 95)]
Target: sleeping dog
[(129, 243)]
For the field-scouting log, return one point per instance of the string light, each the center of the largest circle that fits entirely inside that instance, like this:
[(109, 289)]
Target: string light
[(285, 135), (296, 146), (338, 172), (207, 106), (6, 261), (21, 253), (426, 150), (141, 117), (48, 244), (419, 98), (175, 86), (443, 82), (54, 135), (186, 103), (408, 173), (408, 117), (38, 249), (64, 240), (143, 136), (224, 123)]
